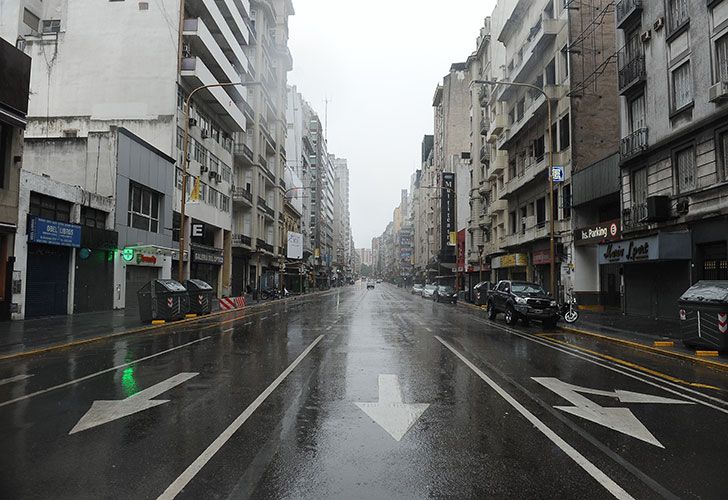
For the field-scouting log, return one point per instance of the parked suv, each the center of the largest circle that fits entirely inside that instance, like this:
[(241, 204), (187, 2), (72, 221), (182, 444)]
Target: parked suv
[(522, 300)]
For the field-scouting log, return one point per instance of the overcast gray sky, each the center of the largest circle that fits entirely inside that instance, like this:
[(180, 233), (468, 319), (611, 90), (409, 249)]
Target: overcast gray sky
[(378, 62)]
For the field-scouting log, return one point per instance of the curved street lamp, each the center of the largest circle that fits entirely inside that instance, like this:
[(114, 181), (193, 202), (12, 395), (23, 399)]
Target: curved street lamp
[(552, 245)]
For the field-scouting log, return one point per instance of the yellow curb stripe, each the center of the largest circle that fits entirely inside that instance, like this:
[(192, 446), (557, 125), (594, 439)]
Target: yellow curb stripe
[(712, 354), (663, 343), (76, 343), (636, 366), (711, 364)]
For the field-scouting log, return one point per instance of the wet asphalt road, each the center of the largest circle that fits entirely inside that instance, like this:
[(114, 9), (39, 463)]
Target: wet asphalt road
[(264, 405)]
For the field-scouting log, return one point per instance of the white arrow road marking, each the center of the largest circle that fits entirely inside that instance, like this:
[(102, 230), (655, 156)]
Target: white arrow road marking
[(390, 412), (16, 378), (104, 411), (618, 419)]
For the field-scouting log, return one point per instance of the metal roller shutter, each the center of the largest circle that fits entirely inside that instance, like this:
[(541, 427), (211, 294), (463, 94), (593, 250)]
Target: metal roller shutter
[(46, 289), (137, 277)]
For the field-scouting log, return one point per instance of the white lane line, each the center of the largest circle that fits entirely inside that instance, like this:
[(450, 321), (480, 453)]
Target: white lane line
[(591, 469), (264, 317), (228, 330), (428, 329), (328, 328), (275, 314), (16, 378), (190, 472), (248, 323), (96, 374)]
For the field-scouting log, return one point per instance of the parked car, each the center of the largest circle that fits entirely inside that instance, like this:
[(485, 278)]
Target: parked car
[(379, 280), (480, 293), (417, 289), (370, 284), (445, 294), (522, 300), (428, 291)]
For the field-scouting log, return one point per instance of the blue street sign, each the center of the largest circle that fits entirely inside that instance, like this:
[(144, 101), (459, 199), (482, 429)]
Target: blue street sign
[(557, 173), (52, 232)]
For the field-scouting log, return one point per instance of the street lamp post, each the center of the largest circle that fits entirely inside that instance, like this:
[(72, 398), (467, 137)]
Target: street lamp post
[(185, 164), (552, 246)]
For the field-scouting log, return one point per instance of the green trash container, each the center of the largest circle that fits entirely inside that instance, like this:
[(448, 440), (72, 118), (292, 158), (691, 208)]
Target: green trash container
[(704, 315)]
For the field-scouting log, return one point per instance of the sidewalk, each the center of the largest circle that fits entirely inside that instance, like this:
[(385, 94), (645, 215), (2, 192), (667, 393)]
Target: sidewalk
[(615, 323)]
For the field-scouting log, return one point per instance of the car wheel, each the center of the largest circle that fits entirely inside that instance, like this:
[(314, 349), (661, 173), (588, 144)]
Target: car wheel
[(510, 316), (491, 312)]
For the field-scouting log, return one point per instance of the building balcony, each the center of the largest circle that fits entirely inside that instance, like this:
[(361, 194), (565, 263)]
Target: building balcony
[(497, 126), (242, 241), (242, 195), (484, 155), (634, 217), (534, 231), (484, 126), (541, 34), (498, 165), (633, 145), (263, 206), (228, 26), (270, 178), (245, 154), (483, 187), (497, 206), (632, 72), (264, 246), (535, 170), (627, 11), (535, 111), (195, 74)]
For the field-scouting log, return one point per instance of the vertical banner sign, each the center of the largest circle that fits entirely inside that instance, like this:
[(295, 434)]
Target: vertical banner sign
[(461, 251), (448, 209)]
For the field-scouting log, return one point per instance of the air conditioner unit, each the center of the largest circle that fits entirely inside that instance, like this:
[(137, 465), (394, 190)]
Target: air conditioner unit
[(719, 91), (683, 206), (646, 36), (186, 52), (212, 175), (193, 122), (658, 208), (203, 169), (204, 134), (659, 23)]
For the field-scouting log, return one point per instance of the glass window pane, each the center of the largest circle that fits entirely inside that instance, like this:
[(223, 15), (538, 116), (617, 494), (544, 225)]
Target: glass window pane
[(721, 51), (155, 206), (136, 199), (154, 226), (146, 202), (686, 170), (140, 222)]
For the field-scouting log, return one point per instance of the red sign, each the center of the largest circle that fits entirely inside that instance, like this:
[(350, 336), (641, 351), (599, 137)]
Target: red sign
[(461, 250), (541, 257), (146, 259)]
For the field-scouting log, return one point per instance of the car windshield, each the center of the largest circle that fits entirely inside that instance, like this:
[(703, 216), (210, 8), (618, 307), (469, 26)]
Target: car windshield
[(527, 288), (430, 288), (445, 289)]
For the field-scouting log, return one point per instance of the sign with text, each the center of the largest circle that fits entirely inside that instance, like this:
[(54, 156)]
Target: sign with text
[(294, 250), (598, 233), (557, 173), (448, 209), (214, 257), (198, 230), (50, 232), (511, 260), (629, 251)]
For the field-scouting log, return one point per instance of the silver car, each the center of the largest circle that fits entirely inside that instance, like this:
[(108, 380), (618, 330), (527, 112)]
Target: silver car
[(428, 291), (417, 289)]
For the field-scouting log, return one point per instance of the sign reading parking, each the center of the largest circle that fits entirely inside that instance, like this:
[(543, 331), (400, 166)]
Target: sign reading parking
[(557, 173)]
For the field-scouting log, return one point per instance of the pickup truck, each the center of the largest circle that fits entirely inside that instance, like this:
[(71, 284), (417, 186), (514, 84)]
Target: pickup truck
[(522, 300)]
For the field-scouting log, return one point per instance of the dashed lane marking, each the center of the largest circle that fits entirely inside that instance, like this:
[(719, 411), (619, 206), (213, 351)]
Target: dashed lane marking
[(16, 378)]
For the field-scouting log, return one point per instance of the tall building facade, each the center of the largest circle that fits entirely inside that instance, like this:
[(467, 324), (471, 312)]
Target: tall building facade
[(234, 209)]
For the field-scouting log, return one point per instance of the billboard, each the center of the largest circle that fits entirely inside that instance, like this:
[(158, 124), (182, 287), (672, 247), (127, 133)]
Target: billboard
[(294, 249)]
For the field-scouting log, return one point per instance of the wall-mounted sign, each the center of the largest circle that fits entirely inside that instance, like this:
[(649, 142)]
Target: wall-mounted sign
[(146, 259), (511, 260), (294, 249), (663, 246), (597, 233), (541, 257), (448, 209), (198, 230), (214, 257), (50, 232), (557, 173)]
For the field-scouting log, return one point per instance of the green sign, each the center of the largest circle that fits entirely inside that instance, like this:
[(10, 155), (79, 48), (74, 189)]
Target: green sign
[(127, 254)]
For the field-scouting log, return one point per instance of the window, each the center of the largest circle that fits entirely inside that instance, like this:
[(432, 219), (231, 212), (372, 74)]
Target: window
[(143, 208), (512, 218), (212, 197), (723, 163), (200, 153), (551, 72), (565, 63), (91, 217), (637, 113), (721, 59), (49, 208), (226, 173), (678, 14), (224, 203), (564, 132), (541, 212), (566, 200), (682, 87), (51, 25), (31, 20), (686, 175), (639, 194)]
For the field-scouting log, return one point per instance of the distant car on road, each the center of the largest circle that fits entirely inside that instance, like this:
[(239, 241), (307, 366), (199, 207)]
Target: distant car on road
[(370, 284), (428, 291), (522, 300), (417, 289), (379, 280), (445, 294)]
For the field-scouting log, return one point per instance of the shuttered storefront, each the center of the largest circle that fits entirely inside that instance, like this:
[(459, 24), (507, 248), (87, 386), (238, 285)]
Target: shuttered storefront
[(46, 290), (137, 277)]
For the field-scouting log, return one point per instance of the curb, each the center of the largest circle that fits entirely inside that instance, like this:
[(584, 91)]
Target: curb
[(159, 327), (654, 350)]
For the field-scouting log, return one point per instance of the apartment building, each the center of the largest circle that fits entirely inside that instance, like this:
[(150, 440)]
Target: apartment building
[(342, 219), (422, 211), (260, 151), (673, 82), (536, 37)]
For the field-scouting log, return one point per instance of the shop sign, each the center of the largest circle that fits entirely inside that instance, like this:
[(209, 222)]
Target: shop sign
[(460, 262), (448, 209), (597, 233), (629, 251), (511, 260), (208, 257), (143, 259), (52, 232), (541, 257), (294, 249)]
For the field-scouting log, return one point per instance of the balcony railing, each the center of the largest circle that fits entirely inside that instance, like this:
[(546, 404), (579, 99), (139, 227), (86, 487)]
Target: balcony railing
[(626, 11), (633, 216), (242, 194), (242, 149), (631, 71), (240, 240), (264, 207), (484, 155), (262, 245), (634, 144)]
